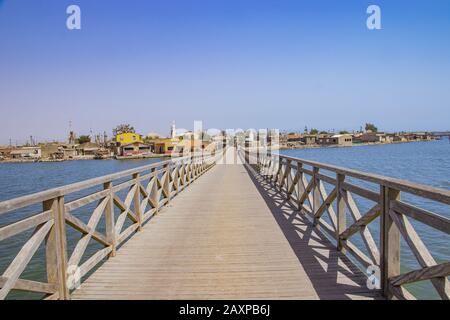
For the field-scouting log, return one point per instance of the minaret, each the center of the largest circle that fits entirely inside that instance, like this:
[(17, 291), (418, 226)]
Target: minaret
[(173, 130)]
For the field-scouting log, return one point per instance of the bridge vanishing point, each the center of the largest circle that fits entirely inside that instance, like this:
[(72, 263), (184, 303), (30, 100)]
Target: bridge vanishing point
[(263, 227)]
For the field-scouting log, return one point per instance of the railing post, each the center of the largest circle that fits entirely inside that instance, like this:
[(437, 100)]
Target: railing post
[(176, 178), (341, 210), (257, 148), (301, 188), (287, 177), (137, 201), (56, 247), (247, 151), (109, 219), (191, 168), (389, 240), (316, 194), (166, 188), (154, 191)]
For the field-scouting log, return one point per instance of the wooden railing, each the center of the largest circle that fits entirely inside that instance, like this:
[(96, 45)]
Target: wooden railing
[(304, 183), (147, 188)]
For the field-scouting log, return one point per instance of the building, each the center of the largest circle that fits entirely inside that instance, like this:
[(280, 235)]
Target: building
[(308, 139), (134, 149), (422, 136), (69, 151), (342, 140), (87, 149), (371, 137), (127, 138), (164, 145), (49, 149), (5, 152), (26, 153), (293, 137)]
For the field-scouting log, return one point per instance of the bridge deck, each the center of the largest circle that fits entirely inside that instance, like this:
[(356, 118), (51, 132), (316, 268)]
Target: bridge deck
[(229, 236)]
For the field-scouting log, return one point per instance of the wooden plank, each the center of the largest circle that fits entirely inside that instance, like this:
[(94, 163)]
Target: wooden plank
[(326, 203), (429, 218), (56, 247), (368, 194), (80, 226), (401, 293), (389, 241), (30, 286), (110, 229), (85, 200), (24, 256), (371, 215), (358, 254), (326, 178), (25, 224), (420, 251), (137, 202), (341, 211), (366, 236), (82, 244), (436, 271), (127, 232), (94, 260)]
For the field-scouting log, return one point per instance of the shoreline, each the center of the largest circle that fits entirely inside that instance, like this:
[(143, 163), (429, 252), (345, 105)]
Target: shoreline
[(353, 145), (80, 159), (157, 156)]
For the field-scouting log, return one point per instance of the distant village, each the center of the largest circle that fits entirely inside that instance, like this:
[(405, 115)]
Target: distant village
[(127, 144), (369, 135)]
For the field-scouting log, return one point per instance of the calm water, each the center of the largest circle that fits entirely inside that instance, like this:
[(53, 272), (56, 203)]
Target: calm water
[(422, 162), (17, 179)]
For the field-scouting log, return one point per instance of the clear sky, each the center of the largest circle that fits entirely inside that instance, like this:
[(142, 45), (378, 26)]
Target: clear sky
[(231, 63)]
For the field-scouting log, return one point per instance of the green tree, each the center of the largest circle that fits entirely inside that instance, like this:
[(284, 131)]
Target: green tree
[(314, 131), (371, 127), (323, 132), (84, 139), (343, 132), (123, 128)]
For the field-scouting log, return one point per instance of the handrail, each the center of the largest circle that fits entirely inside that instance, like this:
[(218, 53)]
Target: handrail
[(418, 189), (305, 189), (23, 201), (143, 200)]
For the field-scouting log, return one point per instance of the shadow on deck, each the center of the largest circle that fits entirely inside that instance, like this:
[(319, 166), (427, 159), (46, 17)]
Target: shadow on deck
[(332, 274)]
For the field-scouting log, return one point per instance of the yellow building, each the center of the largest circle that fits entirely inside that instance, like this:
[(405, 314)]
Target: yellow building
[(164, 145), (128, 137)]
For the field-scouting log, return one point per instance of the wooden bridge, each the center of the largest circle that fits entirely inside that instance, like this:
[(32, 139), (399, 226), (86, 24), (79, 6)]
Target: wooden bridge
[(264, 227)]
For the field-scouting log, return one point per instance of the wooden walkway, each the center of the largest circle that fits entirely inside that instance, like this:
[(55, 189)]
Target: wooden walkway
[(230, 236)]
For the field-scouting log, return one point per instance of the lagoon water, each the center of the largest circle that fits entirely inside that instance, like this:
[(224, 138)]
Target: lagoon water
[(422, 162), (18, 179)]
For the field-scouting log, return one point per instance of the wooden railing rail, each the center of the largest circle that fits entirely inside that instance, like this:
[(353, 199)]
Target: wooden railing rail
[(148, 189), (303, 183)]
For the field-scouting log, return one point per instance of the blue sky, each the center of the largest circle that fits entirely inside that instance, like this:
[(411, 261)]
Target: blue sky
[(230, 63)]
